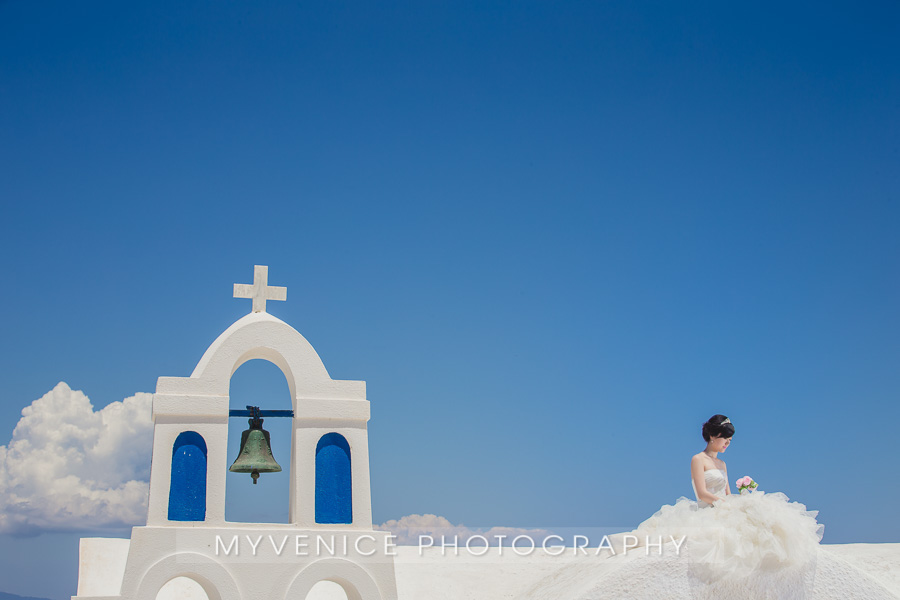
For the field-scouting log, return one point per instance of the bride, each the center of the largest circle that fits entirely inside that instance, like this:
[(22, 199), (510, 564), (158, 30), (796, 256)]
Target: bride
[(738, 541), (709, 475)]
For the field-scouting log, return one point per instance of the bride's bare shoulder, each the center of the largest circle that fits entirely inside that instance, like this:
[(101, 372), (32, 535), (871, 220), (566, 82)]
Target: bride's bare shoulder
[(703, 460)]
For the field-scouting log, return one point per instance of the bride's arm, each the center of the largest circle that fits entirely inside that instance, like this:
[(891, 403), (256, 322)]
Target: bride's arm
[(727, 485), (700, 481)]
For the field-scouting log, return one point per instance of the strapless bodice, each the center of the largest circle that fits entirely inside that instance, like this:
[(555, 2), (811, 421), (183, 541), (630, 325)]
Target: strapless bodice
[(716, 482)]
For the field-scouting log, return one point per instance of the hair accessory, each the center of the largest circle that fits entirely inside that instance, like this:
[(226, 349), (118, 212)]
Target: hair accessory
[(727, 420)]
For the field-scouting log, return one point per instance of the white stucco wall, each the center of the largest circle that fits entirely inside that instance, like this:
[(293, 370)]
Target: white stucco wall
[(844, 571), (101, 566)]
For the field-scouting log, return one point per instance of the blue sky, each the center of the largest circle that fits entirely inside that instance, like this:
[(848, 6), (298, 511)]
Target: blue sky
[(554, 238)]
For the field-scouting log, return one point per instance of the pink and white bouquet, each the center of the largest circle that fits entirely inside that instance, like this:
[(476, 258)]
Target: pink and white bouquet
[(745, 484)]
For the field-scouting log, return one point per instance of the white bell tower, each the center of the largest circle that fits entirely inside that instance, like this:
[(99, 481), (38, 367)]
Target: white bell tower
[(329, 536)]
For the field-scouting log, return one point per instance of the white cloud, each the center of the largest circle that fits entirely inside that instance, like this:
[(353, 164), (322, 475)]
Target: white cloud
[(409, 528), (69, 467)]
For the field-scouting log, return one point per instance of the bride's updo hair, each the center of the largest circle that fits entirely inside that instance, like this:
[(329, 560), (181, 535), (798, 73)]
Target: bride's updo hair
[(716, 428)]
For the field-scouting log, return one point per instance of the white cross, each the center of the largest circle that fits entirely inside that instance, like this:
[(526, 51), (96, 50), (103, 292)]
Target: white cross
[(260, 290)]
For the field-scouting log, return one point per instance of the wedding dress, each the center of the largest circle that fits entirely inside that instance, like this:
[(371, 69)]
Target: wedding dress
[(754, 542)]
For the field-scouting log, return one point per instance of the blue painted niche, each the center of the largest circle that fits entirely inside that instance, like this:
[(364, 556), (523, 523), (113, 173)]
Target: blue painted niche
[(334, 489), (187, 492)]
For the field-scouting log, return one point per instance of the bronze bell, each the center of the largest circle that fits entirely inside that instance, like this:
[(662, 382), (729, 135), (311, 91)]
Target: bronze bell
[(255, 456)]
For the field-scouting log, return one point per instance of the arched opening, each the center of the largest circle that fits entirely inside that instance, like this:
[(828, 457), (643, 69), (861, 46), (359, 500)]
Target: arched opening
[(182, 588), (334, 488), (178, 575), (259, 383), (355, 581), (327, 590), (187, 489)]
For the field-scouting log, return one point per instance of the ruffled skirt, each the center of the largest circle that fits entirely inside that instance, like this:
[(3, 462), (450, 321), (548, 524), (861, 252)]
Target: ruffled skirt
[(741, 536)]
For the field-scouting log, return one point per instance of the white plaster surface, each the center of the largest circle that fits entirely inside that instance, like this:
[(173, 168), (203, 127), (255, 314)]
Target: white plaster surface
[(182, 588), (101, 566), (879, 561), (845, 571), (260, 290), (327, 590)]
